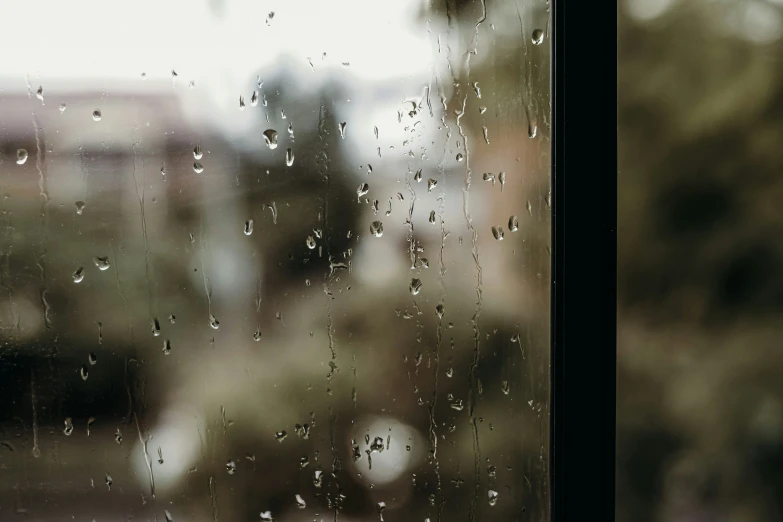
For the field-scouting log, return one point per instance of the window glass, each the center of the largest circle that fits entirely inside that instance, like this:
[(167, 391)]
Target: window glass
[(275, 260)]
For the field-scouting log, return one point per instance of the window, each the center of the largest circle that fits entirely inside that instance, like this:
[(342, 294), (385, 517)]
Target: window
[(276, 260)]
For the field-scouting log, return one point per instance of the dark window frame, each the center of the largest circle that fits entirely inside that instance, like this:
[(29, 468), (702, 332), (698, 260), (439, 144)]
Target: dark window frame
[(584, 285)]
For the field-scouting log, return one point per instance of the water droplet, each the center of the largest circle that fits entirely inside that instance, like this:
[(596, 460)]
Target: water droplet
[(172, 319), (488, 176), (300, 503), (342, 130), (457, 405), (198, 168), (213, 322), (482, 110), (538, 37), (289, 157), (241, 103), (375, 130), (248, 227), (39, 93), (431, 184), (432, 217), (192, 84), (231, 467), (92, 359), (439, 310), (257, 336), (513, 224), (492, 496), (318, 478), (459, 156), (485, 131), (109, 481), (363, 189), (197, 152), (96, 115), (266, 516), (155, 327), (304, 462), (502, 179), (101, 262), (532, 129), (21, 156), (169, 518), (529, 207), (282, 113), (281, 435), (270, 138), (68, 429), (477, 89), (63, 107), (84, 372), (254, 98), (310, 242), (78, 275), (415, 286), (166, 347), (291, 129), (376, 228), (504, 387), (497, 233)]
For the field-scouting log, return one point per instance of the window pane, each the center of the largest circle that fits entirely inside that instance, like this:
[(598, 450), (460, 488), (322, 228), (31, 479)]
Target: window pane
[(282, 261), (700, 404)]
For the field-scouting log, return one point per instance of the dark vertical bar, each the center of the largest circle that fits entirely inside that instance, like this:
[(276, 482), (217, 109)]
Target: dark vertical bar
[(584, 249)]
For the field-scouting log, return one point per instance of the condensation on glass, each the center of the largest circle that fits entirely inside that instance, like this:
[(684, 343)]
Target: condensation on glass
[(275, 261)]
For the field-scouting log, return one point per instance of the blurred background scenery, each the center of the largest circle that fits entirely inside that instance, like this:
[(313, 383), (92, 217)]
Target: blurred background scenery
[(266, 260), (700, 393)]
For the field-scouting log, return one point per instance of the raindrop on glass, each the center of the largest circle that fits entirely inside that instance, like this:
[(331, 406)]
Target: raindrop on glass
[(513, 224), (68, 429), (440, 310), (78, 275), (101, 262), (431, 184), (289, 157), (266, 516), (39, 93), (310, 242), (497, 233), (248, 227), (459, 156), (254, 98), (96, 115), (363, 189), (270, 138), (62, 107), (231, 467), (84, 373), (281, 435), (342, 130), (257, 336), (538, 37), (21, 156), (213, 322), (198, 168), (241, 103), (376, 228), (529, 208), (198, 152), (415, 286), (432, 217), (166, 347), (492, 497), (300, 503), (92, 359)]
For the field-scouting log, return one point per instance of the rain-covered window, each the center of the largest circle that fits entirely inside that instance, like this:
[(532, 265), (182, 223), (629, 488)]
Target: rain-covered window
[(275, 260)]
